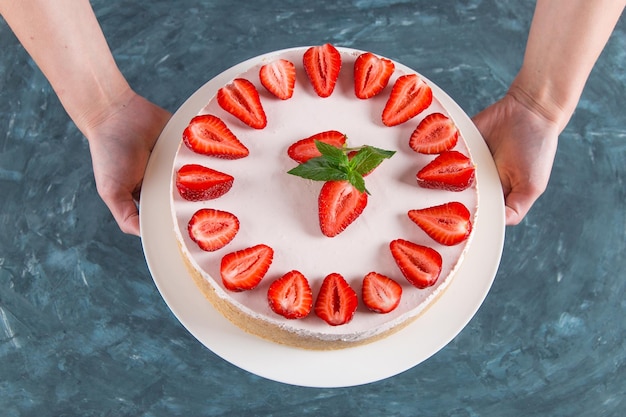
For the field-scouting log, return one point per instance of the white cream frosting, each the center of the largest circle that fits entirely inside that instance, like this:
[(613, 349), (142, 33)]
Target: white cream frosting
[(280, 210)]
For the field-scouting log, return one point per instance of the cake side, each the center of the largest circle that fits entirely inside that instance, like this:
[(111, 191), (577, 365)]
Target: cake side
[(275, 333)]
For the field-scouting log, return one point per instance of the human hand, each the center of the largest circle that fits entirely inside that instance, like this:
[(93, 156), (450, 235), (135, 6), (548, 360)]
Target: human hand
[(523, 143), (120, 145)]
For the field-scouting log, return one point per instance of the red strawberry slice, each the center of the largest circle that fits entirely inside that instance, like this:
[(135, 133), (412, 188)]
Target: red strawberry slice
[(322, 65), (336, 301), (419, 264), (241, 99), (244, 269), (208, 135), (212, 229), (339, 205), (448, 224), (380, 293), (279, 78), (435, 134), (291, 296), (451, 171), (196, 182), (305, 149), (409, 96), (371, 75)]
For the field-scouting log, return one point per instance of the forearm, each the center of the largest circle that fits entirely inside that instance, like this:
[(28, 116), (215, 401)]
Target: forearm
[(65, 40), (565, 40)]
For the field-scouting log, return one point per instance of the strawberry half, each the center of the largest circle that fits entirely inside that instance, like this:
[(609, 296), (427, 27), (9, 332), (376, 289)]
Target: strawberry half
[(244, 269), (339, 205), (195, 182), (409, 96), (291, 296), (305, 149), (336, 302), (371, 75), (208, 135), (322, 65), (380, 293), (435, 133), (241, 99), (448, 224), (212, 229), (419, 264), (279, 78), (451, 171)]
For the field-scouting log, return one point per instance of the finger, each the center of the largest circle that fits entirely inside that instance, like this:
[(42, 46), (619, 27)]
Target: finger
[(126, 215), (518, 204)]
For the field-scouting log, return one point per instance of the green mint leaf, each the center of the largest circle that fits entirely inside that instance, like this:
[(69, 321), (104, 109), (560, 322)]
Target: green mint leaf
[(319, 169), (357, 181), (332, 153), (383, 152), (334, 164), (368, 158)]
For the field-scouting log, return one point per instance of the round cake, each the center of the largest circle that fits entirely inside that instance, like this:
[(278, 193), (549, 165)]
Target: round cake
[(265, 208)]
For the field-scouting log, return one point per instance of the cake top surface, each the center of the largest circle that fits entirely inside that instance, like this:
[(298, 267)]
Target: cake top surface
[(280, 210)]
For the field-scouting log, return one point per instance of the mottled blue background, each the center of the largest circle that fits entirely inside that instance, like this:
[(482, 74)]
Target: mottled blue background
[(84, 332)]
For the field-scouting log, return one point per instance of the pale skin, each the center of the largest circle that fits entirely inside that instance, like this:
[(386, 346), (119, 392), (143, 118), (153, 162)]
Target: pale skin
[(65, 40), (521, 130)]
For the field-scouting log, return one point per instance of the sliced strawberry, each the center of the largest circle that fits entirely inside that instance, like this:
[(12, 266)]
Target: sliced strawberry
[(339, 205), (336, 301), (448, 224), (451, 171), (371, 75), (305, 149), (279, 78), (322, 65), (380, 293), (244, 269), (241, 99), (435, 134), (208, 135), (212, 229), (196, 182), (291, 296), (419, 264), (409, 96)]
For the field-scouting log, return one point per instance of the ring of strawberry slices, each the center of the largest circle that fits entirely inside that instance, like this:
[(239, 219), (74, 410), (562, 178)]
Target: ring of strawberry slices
[(343, 173)]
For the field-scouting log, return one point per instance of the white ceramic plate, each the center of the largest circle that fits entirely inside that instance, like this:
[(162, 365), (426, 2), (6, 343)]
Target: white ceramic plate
[(347, 367)]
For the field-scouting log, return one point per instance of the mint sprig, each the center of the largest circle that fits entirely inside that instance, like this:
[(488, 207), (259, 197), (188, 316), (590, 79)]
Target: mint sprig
[(334, 164)]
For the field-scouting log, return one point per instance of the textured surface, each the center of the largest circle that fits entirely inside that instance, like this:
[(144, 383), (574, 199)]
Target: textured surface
[(83, 330)]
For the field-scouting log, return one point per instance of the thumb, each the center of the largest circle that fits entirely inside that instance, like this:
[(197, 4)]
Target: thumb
[(126, 214), (518, 204)]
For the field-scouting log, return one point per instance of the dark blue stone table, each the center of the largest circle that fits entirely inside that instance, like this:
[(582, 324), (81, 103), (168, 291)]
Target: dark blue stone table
[(84, 331)]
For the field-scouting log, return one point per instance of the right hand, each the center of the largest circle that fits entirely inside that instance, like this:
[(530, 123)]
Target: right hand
[(523, 143)]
